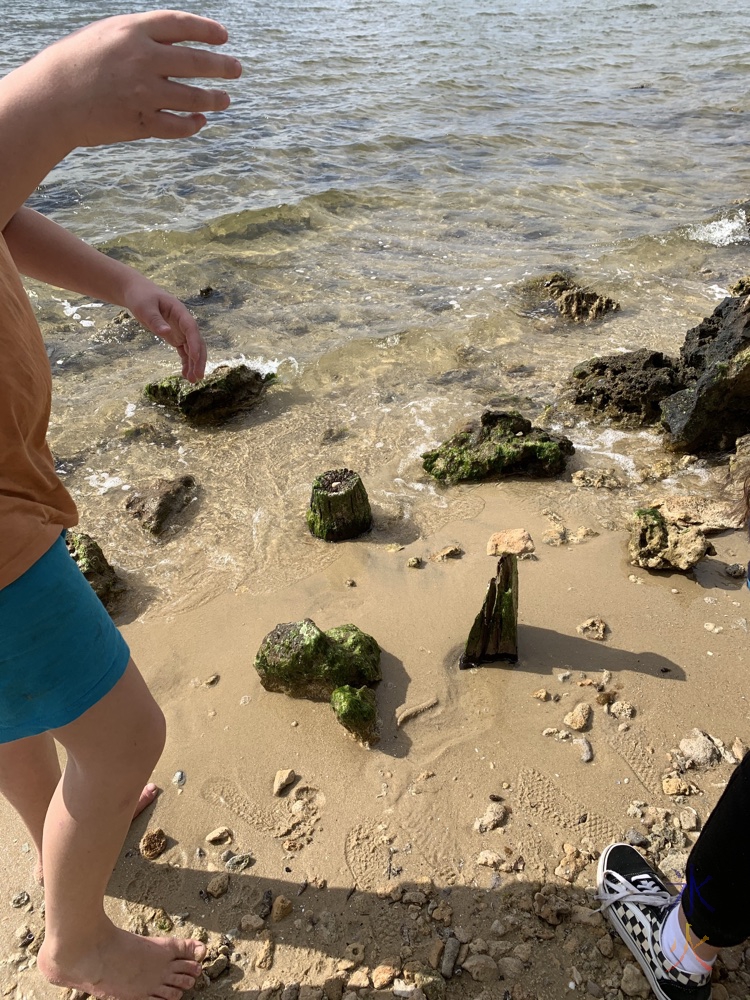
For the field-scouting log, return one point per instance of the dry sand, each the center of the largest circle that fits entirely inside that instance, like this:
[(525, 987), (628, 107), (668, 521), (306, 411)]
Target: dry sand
[(360, 826)]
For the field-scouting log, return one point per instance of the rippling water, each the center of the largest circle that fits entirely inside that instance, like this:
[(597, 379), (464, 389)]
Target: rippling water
[(368, 209)]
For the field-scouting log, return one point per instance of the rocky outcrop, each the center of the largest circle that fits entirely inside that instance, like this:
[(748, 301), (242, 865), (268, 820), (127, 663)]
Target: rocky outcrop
[(625, 388), (500, 443), (300, 660), (226, 392)]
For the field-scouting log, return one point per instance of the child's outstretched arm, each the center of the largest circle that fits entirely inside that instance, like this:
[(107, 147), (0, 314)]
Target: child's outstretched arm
[(113, 81), (42, 249)]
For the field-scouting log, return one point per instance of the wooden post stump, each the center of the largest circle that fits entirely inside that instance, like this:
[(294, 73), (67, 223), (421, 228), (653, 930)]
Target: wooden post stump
[(339, 508), (494, 634)]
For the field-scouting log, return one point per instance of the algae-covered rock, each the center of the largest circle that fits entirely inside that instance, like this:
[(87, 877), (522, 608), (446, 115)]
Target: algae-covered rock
[(500, 443), (299, 659), (657, 544), (339, 506), (356, 710), (227, 391), (158, 505), (91, 561)]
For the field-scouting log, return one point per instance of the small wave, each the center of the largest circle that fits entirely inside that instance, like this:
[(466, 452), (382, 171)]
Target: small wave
[(722, 232)]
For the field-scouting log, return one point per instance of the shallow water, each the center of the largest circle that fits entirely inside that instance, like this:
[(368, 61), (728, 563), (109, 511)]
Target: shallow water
[(368, 212)]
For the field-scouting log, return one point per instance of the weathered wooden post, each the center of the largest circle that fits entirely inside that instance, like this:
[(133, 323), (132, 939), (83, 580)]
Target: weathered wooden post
[(339, 507), (494, 634)]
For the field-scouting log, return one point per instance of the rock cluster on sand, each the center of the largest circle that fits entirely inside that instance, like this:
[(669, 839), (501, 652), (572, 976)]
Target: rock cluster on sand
[(500, 443), (300, 660), (339, 666), (656, 544)]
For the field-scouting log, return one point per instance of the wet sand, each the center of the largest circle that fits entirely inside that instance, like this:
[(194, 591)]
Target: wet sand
[(360, 825)]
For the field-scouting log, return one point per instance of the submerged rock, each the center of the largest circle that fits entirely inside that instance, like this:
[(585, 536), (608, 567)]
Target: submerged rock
[(500, 443), (356, 710), (227, 391), (105, 582), (657, 544), (160, 504), (582, 305), (299, 659)]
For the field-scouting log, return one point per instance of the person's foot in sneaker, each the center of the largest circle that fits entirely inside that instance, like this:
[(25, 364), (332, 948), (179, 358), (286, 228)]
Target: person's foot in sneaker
[(645, 914)]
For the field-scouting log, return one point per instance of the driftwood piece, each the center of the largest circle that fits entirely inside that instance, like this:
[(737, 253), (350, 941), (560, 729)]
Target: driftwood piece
[(339, 507), (494, 634)]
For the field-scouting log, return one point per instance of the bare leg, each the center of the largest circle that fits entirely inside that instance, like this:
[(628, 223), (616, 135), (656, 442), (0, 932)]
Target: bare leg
[(112, 749), (29, 775)]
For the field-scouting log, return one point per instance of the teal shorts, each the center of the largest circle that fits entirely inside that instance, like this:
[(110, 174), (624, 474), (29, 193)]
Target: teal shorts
[(60, 652)]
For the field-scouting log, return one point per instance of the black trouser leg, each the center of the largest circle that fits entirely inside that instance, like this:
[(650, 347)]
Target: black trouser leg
[(717, 881)]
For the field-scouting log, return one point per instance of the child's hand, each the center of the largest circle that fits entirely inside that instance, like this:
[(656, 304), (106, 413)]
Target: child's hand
[(167, 317), (115, 80)]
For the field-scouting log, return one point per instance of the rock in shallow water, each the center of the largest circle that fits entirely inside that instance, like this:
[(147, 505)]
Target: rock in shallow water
[(500, 443), (227, 391)]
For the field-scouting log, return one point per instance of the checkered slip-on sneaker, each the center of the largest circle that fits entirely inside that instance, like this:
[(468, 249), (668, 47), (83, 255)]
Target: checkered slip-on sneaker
[(637, 902)]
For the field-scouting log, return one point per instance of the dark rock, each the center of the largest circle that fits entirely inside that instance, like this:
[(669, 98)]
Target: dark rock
[(356, 709), (711, 414), (339, 507), (713, 409), (158, 506), (494, 634), (227, 391), (500, 443), (105, 582), (626, 388), (151, 434), (300, 660), (579, 304)]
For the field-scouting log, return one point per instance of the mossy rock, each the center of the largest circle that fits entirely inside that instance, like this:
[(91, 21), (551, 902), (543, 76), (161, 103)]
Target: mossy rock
[(227, 391), (500, 443), (300, 660), (339, 507), (356, 709), (91, 561)]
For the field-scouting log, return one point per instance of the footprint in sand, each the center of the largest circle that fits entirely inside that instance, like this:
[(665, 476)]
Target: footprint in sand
[(543, 800), (294, 818), (631, 747)]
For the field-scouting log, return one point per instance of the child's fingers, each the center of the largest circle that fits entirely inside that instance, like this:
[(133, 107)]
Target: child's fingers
[(165, 125), (172, 26), (183, 61), (180, 97)]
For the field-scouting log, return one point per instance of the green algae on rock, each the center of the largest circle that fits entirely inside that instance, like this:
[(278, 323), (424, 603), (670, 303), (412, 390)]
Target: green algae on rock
[(356, 710), (91, 561), (300, 660), (339, 506), (501, 443), (227, 391)]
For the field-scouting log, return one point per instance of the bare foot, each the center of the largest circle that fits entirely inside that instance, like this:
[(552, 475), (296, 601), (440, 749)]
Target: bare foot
[(123, 966), (147, 796)]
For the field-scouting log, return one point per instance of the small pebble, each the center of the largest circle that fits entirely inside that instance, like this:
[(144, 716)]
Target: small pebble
[(350, 583), (179, 779)]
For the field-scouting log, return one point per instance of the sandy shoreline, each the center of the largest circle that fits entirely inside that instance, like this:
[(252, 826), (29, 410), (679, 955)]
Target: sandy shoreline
[(410, 803)]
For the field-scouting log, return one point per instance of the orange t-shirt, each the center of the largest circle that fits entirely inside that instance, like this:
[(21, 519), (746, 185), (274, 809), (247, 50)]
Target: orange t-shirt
[(34, 504)]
